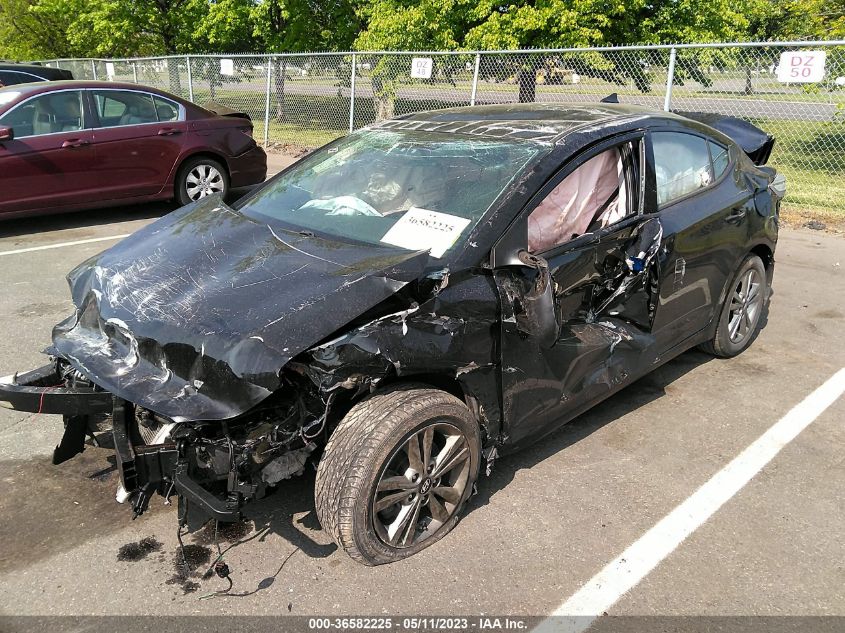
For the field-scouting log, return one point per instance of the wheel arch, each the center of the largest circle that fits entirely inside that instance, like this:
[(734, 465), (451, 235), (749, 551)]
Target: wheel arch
[(200, 153), (765, 252), (442, 381)]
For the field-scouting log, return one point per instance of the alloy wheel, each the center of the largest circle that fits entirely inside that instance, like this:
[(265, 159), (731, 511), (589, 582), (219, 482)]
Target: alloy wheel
[(422, 485), (203, 180), (746, 305)]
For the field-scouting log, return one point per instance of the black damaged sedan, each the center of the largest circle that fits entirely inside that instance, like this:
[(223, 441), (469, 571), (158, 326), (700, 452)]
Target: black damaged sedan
[(408, 303)]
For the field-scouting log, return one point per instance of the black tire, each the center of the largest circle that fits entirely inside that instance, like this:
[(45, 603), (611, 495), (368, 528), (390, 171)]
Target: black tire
[(220, 185), (723, 345), (366, 442)]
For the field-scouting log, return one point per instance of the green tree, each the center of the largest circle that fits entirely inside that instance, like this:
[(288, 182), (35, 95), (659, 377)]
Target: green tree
[(492, 25), (31, 30), (404, 25), (291, 26), (121, 28), (228, 27)]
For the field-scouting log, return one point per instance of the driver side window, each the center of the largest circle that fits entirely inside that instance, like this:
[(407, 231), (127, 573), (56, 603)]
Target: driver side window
[(50, 113), (600, 192)]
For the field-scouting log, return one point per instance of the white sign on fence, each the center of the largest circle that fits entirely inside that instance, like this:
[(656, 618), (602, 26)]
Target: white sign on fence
[(110, 70), (801, 67), (227, 67), (421, 67)]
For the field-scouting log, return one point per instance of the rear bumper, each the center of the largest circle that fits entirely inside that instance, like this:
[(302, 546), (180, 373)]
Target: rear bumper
[(250, 168)]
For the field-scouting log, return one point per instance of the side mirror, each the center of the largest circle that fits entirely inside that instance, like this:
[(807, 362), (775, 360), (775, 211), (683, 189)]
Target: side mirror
[(539, 317), (6, 134)]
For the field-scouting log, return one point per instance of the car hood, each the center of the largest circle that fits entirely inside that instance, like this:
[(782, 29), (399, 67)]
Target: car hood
[(194, 316)]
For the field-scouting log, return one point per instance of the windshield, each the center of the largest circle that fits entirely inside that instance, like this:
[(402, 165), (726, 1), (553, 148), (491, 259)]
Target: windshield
[(416, 190)]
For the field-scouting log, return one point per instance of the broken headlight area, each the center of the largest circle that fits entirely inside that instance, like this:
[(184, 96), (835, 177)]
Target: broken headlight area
[(213, 467)]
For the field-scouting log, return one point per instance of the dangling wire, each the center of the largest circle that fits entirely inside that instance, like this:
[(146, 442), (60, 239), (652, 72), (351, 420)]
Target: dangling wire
[(182, 547)]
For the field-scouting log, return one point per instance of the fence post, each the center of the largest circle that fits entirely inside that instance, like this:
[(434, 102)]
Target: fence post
[(267, 102), (670, 79), (135, 71), (190, 79), (475, 79), (352, 94), (94, 69)]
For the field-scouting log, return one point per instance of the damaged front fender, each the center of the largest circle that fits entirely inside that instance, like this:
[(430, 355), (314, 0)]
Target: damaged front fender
[(450, 338), (194, 316)]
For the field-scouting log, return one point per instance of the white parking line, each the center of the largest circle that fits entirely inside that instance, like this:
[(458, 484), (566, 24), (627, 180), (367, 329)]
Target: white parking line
[(624, 572), (63, 244)]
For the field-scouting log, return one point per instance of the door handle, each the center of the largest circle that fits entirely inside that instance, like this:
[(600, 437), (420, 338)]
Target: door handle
[(74, 142), (168, 131), (736, 216)]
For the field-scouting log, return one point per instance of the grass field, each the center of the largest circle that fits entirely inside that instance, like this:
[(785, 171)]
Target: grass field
[(812, 157)]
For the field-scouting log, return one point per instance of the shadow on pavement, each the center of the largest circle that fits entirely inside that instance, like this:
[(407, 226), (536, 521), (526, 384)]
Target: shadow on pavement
[(96, 217), (638, 394), (289, 512), (83, 219), (74, 503)]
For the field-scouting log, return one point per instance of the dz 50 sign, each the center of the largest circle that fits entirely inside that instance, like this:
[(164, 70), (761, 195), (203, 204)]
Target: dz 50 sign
[(801, 67)]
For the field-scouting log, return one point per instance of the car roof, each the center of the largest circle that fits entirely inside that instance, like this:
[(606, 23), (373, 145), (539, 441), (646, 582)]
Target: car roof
[(29, 89), (45, 72), (545, 122), (78, 84), (24, 67)]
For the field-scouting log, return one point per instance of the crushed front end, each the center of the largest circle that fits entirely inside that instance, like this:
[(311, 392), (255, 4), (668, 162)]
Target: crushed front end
[(212, 467), (182, 343)]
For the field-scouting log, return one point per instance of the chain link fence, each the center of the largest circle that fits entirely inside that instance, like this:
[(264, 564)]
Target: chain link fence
[(305, 100)]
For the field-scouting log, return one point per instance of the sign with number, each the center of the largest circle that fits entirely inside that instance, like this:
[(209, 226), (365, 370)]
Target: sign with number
[(227, 67), (421, 67), (801, 67)]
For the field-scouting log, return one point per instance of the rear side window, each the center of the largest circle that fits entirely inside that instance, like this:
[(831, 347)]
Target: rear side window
[(124, 107), (681, 164), (166, 110), (719, 156)]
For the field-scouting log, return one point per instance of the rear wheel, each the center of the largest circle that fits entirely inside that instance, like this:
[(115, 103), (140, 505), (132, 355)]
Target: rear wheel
[(397, 472), (742, 313), (200, 177)]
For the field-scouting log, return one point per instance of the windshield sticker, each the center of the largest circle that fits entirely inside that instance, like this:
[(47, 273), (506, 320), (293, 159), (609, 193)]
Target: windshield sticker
[(337, 156), (421, 229)]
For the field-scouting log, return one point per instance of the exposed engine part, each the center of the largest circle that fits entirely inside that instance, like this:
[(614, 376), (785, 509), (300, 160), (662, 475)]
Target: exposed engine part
[(149, 426), (287, 465)]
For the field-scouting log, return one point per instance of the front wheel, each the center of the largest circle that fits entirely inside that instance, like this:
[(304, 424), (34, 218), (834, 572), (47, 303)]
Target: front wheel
[(742, 313), (397, 472), (201, 177)]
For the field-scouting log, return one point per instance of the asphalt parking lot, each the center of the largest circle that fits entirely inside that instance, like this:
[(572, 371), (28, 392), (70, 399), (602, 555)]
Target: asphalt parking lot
[(545, 522)]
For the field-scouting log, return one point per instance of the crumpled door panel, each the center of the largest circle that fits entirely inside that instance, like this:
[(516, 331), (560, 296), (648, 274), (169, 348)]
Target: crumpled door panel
[(604, 296), (629, 278)]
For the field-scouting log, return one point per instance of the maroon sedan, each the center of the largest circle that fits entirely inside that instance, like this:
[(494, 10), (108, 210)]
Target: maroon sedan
[(67, 145)]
